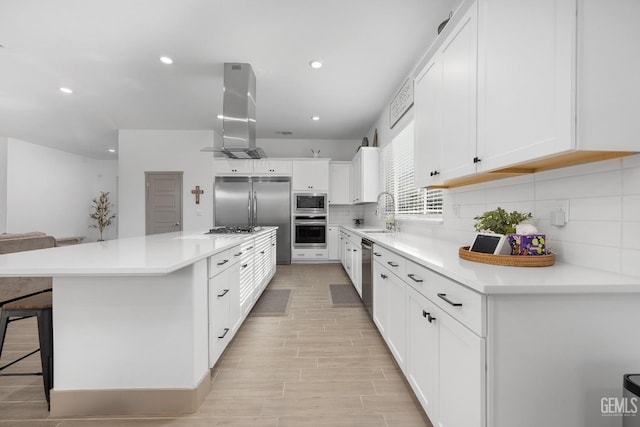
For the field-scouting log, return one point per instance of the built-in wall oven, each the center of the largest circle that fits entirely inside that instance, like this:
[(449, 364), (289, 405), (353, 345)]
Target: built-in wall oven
[(309, 231), (309, 203)]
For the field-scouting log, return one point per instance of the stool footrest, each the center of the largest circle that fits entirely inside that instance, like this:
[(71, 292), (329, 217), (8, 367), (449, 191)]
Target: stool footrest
[(2, 368)]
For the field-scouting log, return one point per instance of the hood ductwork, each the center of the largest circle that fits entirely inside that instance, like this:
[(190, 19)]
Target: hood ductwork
[(239, 113)]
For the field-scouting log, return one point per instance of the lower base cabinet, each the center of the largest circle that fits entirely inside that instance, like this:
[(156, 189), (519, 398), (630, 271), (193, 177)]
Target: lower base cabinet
[(445, 365)]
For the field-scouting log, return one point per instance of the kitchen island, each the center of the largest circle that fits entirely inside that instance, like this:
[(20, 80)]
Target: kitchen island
[(484, 345), (134, 331)]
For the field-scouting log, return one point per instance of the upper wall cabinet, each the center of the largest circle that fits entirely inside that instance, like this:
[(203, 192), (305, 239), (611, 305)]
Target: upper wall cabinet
[(223, 166), (272, 167), (555, 87), (339, 183), (364, 175), (232, 167), (445, 107), (311, 175)]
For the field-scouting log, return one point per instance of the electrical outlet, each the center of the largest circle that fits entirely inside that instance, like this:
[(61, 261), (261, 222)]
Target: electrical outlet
[(560, 216)]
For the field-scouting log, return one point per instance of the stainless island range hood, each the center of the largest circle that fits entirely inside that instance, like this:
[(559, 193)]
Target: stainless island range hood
[(239, 114)]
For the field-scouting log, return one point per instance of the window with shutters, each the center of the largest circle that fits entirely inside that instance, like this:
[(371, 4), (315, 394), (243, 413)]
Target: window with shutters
[(396, 162)]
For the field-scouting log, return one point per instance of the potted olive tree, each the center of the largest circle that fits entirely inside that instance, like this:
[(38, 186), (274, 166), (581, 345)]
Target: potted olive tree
[(101, 213)]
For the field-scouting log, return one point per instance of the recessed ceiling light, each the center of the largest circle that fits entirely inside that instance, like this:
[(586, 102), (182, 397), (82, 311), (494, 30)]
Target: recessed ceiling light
[(112, 150), (65, 90), (166, 60), (315, 118), (315, 64)]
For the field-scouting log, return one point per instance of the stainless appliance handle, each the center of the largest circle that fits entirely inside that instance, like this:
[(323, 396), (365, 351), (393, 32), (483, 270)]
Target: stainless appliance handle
[(249, 212), (255, 209), (310, 222)]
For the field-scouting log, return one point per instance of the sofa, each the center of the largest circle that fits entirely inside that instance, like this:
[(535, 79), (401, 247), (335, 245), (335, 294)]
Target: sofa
[(15, 287)]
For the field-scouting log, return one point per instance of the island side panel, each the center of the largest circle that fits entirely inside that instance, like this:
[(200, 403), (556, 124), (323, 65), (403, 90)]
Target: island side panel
[(117, 334), (551, 359)]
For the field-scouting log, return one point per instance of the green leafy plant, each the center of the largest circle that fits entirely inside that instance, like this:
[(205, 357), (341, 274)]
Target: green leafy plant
[(101, 213), (500, 221)]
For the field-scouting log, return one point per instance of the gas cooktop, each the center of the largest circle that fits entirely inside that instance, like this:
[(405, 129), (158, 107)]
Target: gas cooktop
[(244, 229)]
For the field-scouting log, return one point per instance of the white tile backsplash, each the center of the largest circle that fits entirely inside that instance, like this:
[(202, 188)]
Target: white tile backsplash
[(603, 231)]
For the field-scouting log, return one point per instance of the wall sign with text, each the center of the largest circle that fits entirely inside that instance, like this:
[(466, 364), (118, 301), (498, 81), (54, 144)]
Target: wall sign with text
[(401, 103)]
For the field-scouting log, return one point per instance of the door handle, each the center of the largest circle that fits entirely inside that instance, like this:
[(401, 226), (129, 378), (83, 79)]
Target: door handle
[(255, 209), (224, 293), (392, 264), (428, 316), (223, 262), (177, 224), (226, 330), (249, 209)]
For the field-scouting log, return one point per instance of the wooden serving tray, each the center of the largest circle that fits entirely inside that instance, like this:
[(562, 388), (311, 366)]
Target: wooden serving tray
[(510, 260)]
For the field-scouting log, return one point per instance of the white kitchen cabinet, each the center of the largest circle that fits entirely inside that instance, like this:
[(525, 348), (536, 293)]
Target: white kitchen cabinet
[(223, 166), (445, 107), (396, 330), (427, 146), (311, 175), (462, 375), (272, 167), (224, 303), (333, 242), (457, 100), (423, 355), (340, 183), (247, 276), (539, 103), (445, 364), (379, 279), (364, 175), (527, 75)]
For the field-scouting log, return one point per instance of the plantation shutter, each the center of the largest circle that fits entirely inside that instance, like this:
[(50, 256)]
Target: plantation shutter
[(397, 179)]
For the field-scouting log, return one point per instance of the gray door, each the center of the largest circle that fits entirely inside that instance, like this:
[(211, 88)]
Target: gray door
[(273, 207), (163, 205)]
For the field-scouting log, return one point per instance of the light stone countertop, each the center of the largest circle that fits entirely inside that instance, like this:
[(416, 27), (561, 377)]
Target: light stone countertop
[(442, 257), (157, 254)]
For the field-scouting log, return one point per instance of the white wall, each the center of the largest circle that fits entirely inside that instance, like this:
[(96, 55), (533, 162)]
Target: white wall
[(50, 190), (143, 151), (603, 231), (333, 149), (3, 184)]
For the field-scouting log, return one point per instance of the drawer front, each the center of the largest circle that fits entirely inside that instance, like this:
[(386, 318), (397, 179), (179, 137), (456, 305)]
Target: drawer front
[(310, 254), (394, 262), (219, 262), (462, 303)]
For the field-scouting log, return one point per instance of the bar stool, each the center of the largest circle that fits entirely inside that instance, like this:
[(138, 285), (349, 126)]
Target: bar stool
[(39, 306)]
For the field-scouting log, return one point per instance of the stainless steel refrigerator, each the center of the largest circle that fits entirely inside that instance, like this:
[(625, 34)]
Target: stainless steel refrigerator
[(256, 201)]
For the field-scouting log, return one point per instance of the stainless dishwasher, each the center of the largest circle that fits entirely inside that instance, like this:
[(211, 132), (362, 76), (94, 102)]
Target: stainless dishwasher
[(367, 275)]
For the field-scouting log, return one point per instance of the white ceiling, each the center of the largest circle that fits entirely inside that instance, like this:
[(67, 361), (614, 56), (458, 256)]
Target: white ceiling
[(107, 52)]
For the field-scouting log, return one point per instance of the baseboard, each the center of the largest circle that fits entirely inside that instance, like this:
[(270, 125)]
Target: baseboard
[(156, 401)]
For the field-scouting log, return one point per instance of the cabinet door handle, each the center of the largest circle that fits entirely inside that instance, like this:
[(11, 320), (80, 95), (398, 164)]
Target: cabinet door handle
[(226, 331), (455, 304), (392, 264), (244, 265), (477, 160), (262, 252), (238, 254), (223, 262), (224, 293), (384, 276), (428, 316), (413, 277), (377, 254), (349, 250), (249, 248)]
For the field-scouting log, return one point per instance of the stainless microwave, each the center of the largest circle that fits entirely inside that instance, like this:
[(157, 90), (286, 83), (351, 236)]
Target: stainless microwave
[(309, 203)]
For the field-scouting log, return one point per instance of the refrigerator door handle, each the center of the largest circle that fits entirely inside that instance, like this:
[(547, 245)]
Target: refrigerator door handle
[(255, 208), (249, 209)]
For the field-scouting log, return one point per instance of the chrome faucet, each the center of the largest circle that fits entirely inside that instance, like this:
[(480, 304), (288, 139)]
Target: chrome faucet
[(390, 222)]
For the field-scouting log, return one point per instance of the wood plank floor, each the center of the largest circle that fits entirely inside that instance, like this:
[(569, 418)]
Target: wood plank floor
[(317, 366)]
